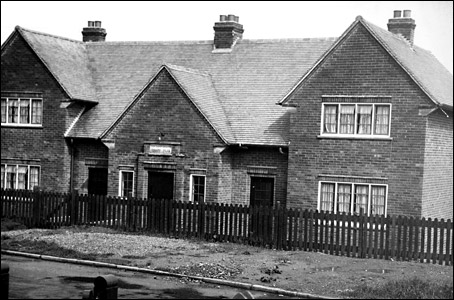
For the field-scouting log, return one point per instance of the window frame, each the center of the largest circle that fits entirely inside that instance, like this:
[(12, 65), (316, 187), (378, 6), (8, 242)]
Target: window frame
[(16, 179), (18, 113), (120, 183), (191, 187), (353, 186), (355, 134)]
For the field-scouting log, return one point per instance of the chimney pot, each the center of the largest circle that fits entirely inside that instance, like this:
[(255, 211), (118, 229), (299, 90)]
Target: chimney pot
[(227, 32), (402, 26), (94, 32)]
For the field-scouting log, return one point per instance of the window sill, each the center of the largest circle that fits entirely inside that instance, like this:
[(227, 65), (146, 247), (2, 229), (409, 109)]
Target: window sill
[(22, 126), (354, 137)]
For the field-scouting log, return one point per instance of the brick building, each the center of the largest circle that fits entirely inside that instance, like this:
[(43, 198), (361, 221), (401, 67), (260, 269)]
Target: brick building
[(363, 120)]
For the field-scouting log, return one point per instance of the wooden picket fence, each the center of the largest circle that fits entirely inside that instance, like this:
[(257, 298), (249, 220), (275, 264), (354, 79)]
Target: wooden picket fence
[(392, 237)]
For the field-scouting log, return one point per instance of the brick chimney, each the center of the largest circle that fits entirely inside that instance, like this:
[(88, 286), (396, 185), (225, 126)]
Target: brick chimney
[(404, 26), (227, 32), (94, 32)]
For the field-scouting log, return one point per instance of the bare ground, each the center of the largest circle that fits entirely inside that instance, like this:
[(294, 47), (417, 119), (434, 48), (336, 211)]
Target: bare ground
[(307, 272)]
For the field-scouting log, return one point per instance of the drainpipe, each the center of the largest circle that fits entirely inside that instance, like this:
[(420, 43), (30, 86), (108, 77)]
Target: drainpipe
[(71, 171)]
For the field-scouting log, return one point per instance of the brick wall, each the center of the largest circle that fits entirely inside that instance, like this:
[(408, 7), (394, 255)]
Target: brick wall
[(268, 160), (165, 112), (437, 185), (87, 154), (359, 66), (22, 71)]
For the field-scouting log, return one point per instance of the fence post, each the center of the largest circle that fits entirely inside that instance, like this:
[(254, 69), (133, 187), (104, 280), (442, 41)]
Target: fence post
[(36, 205), (362, 234), (74, 198)]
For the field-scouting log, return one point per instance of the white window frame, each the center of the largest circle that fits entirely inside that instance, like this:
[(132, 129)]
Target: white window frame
[(355, 134), (16, 166), (30, 101), (191, 187), (120, 182), (353, 185)]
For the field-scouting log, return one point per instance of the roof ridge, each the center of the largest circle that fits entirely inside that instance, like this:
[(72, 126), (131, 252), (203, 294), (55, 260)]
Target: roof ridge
[(49, 35), (209, 42), (398, 36), (277, 40), (187, 70)]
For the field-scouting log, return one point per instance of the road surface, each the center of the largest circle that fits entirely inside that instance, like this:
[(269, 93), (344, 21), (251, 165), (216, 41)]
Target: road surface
[(38, 279)]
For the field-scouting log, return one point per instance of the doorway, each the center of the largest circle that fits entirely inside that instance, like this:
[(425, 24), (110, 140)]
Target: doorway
[(160, 185), (97, 181), (262, 191)]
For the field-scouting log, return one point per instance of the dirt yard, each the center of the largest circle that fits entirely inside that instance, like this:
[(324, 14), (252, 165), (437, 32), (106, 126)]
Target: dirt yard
[(307, 272)]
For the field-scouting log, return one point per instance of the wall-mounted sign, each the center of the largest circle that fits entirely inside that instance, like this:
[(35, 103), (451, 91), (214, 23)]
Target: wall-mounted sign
[(158, 149)]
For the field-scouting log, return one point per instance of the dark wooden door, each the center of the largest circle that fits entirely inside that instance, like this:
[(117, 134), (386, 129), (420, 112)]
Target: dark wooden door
[(160, 185), (262, 191), (97, 181)]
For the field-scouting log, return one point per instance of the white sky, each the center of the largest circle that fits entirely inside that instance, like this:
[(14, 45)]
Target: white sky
[(192, 20)]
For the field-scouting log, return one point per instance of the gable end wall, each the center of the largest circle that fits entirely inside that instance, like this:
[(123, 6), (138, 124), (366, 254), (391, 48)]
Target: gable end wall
[(438, 171), (163, 108), (22, 71), (359, 66)]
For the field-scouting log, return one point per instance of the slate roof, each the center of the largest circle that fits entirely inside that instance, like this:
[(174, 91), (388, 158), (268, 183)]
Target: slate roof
[(236, 92), (422, 66), (67, 60), (200, 89)]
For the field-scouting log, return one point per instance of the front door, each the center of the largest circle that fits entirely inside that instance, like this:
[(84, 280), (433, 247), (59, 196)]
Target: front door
[(97, 181), (262, 191), (160, 185)]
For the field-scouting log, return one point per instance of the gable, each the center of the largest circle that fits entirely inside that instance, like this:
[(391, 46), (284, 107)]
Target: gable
[(428, 74), (66, 60), (22, 70), (421, 65), (162, 112)]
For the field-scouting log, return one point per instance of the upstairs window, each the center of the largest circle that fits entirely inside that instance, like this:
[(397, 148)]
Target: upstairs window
[(356, 120), (21, 111)]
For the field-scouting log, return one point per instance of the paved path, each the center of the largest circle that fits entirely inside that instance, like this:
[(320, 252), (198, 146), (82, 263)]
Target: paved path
[(38, 279)]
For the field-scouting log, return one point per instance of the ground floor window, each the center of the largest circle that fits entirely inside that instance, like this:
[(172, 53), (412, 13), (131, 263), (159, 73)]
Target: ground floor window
[(126, 184), (198, 188), (19, 177), (352, 197)]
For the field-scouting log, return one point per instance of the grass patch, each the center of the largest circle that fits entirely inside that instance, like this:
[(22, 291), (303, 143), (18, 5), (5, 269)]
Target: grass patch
[(12, 224), (413, 288)]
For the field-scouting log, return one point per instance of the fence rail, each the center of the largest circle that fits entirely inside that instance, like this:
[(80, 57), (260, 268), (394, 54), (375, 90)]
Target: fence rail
[(401, 238)]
